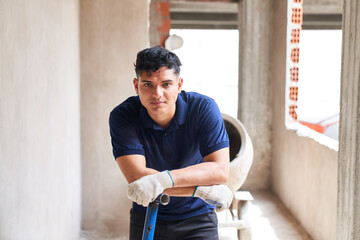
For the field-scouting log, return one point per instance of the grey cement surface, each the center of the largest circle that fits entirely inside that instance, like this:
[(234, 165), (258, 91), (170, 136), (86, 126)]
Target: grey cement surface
[(348, 218), (270, 220), (254, 83), (273, 221), (303, 171)]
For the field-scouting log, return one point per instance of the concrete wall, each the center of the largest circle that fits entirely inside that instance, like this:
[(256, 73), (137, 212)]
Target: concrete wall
[(112, 32), (254, 84), (348, 219), (323, 6), (304, 172), (39, 120)]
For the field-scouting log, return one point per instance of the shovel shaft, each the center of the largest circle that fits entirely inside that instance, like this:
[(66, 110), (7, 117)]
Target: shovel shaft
[(151, 215)]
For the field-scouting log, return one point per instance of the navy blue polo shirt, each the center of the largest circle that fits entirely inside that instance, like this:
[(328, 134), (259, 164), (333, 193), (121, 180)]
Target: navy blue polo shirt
[(196, 130)]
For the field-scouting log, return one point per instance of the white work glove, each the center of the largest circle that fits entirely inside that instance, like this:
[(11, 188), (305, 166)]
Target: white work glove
[(219, 195), (146, 189)]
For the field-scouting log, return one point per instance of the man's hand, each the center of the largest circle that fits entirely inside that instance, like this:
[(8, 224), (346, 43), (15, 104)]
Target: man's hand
[(146, 189), (219, 195)]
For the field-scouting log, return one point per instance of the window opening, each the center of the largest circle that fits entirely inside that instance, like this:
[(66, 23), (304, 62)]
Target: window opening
[(210, 65), (312, 76), (319, 85)]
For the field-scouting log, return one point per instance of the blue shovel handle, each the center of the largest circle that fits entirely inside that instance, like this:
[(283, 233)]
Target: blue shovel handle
[(151, 214)]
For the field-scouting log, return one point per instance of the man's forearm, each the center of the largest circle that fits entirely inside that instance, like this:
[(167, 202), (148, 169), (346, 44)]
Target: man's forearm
[(203, 174), (134, 167), (180, 191), (213, 171), (182, 182)]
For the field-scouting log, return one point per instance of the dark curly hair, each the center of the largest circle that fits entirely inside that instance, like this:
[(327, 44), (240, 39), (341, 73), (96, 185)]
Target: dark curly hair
[(151, 59)]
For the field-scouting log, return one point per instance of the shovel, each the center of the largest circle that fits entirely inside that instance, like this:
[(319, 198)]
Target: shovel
[(151, 214)]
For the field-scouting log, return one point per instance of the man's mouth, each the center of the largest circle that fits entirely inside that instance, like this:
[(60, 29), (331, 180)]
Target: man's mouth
[(157, 102)]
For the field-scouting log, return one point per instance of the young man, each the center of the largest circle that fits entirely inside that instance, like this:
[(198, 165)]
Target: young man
[(166, 140)]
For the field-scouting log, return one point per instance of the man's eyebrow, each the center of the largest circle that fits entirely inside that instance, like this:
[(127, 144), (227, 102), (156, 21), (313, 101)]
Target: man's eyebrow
[(148, 81)]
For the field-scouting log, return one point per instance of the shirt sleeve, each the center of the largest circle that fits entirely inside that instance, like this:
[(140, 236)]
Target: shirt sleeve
[(212, 132), (124, 137)]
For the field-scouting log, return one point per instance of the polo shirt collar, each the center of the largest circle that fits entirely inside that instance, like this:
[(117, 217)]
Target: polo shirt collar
[(181, 116)]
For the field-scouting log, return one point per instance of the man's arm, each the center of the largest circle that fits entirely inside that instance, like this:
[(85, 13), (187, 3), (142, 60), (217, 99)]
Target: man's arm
[(213, 171), (134, 167)]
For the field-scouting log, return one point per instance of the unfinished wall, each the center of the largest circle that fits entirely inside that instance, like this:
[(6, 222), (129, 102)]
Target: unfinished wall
[(160, 22), (39, 120), (304, 172), (112, 32), (254, 84), (322, 6), (349, 150)]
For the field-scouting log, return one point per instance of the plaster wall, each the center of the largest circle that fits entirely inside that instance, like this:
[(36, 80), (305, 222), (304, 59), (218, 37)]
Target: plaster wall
[(304, 172), (112, 32), (39, 120)]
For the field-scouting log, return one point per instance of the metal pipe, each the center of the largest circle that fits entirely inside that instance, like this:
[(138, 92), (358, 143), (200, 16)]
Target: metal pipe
[(151, 215)]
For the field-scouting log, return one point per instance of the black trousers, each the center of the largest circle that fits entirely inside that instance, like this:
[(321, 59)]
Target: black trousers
[(199, 227)]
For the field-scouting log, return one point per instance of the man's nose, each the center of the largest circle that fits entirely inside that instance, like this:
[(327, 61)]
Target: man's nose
[(157, 92)]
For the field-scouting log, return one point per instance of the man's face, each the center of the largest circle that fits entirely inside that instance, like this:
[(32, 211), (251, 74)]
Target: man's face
[(158, 93)]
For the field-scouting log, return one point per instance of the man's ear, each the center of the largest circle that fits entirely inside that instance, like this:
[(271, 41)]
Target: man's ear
[(180, 83), (136, 85)]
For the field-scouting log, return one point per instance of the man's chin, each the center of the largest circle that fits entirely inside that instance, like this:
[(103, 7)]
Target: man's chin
[(158, 106), (156, 109)]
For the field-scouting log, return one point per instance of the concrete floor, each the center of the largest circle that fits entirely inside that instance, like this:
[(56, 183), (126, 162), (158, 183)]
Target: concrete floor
[(270, 221)]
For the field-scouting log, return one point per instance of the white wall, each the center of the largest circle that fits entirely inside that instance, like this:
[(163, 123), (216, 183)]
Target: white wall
[(303, 172), (112, 32), (39, 120)]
